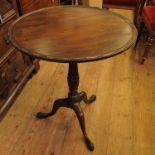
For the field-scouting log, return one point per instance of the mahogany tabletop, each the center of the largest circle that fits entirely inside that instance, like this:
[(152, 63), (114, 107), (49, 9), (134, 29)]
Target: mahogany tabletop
[(72, 34)]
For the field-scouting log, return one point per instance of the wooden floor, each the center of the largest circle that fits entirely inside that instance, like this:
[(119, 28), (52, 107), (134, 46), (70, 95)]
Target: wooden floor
[(120, 122)]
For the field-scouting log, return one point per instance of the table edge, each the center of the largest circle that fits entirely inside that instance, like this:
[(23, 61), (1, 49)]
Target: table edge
[(68, 60)]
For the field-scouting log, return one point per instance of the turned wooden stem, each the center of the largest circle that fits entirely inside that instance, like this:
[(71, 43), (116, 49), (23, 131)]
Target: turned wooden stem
[(73, 79)]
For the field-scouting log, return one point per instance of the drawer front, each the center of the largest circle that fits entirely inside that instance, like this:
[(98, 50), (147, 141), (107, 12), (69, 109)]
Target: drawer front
[(55, 2), (4, 44), (24, 2), (38, 4), (3, 83), (11, 72), (19, 66)]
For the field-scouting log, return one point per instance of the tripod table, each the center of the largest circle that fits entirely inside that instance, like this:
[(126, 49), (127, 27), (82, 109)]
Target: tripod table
[(72, 34)]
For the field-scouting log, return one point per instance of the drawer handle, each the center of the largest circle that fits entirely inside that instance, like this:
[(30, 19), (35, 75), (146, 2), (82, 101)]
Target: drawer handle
[(6, 38), (17, 77), (18, 73), (1, 19), (3, 75)]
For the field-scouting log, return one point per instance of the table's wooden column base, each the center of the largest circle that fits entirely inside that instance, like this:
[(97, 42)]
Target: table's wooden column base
[(73, 102)]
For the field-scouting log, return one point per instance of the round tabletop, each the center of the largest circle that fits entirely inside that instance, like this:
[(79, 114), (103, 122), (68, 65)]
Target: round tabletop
[(72, 34)]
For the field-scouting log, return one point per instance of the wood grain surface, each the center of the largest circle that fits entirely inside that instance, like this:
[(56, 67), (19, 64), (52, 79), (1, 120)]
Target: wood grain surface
[(72, 34)]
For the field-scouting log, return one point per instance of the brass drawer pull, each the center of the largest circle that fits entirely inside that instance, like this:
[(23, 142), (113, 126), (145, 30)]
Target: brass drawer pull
[(3, 75), (18, 73), (6, 38), (1, 19), (17, 77)]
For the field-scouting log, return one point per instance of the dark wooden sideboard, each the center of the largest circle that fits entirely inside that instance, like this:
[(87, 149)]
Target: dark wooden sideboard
[(25, 6), (15, 68)]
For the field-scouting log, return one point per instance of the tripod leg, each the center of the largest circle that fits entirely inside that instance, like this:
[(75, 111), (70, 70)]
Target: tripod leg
[(57, 104), (86, 99), (80, 116)]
